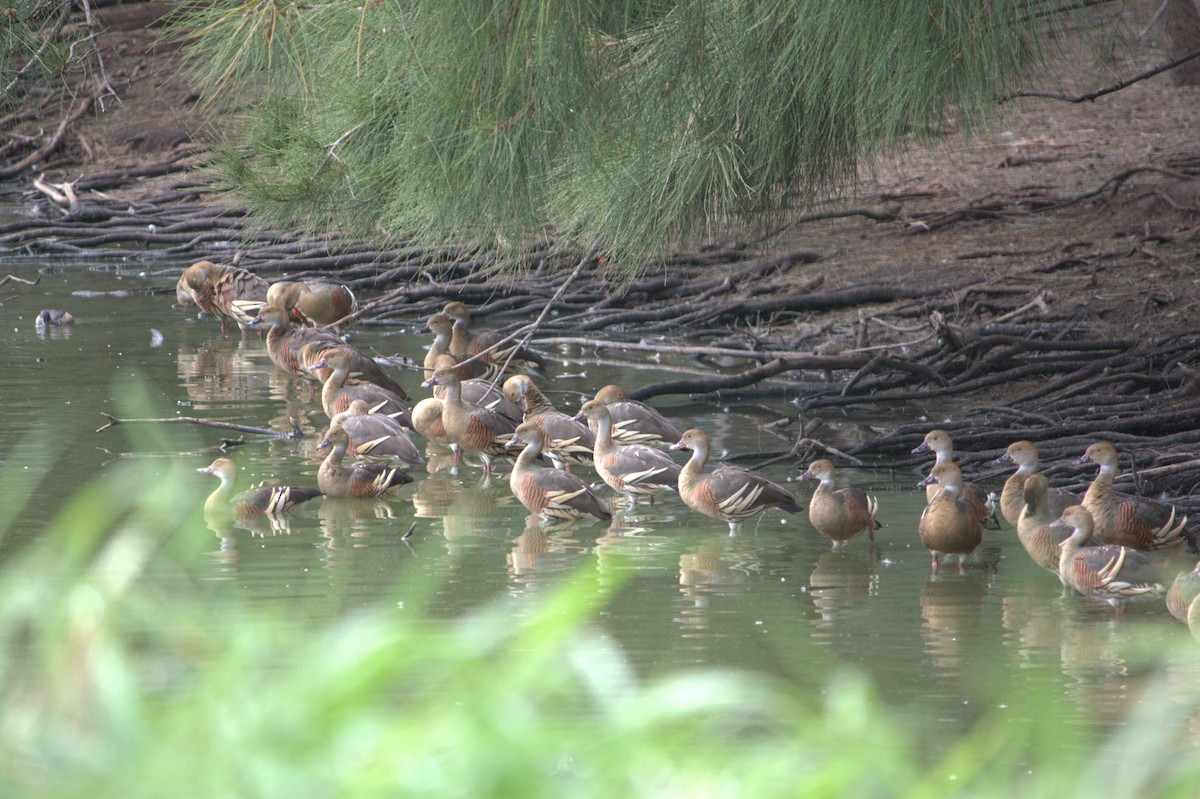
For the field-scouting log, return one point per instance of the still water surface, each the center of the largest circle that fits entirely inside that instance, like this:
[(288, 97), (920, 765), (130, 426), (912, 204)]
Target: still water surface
[(777, 597)]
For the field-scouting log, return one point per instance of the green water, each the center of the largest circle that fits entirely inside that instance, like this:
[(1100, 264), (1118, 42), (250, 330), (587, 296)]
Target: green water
[(948, 648)]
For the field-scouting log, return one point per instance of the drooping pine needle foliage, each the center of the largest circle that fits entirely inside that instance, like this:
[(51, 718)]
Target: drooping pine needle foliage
[(634, 124)]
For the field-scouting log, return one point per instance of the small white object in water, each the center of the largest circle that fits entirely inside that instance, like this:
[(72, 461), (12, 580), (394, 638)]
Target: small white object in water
[(156, 338)]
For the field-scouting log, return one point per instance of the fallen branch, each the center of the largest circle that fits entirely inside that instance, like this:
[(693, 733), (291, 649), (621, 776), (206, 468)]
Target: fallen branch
[(1116, 87), (113, 421)]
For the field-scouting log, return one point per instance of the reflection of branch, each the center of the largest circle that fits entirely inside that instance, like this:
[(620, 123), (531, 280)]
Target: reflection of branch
[(242, 428), (1116, 87), (15, 279)]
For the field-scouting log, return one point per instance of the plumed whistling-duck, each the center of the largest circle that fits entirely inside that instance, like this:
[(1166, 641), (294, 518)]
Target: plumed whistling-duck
[(728, 493), (633, 469), (839, 514), (568, 441), (376, 436), (636, 422), (470, 429), (337, 393), (949, 524), (942, 446), (465, 343), (1124, 519), (322, 303), (255, 501), (229, 293), (552, 493), (1114, 574), (360, 479)]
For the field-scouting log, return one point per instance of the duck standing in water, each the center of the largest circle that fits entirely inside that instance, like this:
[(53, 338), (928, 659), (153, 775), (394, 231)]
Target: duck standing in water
[(839, 514), (728, 493), (551, 493), (949, 525)]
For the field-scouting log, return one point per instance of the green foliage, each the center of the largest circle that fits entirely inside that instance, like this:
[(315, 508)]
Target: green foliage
[(635, 124)]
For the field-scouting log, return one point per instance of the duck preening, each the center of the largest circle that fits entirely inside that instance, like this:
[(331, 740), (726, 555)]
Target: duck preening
[(950, 523), (839, 514), (552, 493), (254, 501), (322, 303), (728, 493), (229, 293)]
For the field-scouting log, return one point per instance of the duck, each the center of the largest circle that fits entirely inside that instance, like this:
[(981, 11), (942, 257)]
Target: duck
[(469, 428), (319, 302), (337, 394), (569, 441), (950, 523), (631, 469), (728, 493), (1041, 506), (551, 493), (464, 343), (229, 293), (1125, 519), (442, 328), (255, 501), (636, 422), (302, 351), (1012, 496), (476, 391), (53, 317), (376, 436), (1111, 573), (1183, 592), (427, 421), (839, 514), (942, 446), (360, 479)]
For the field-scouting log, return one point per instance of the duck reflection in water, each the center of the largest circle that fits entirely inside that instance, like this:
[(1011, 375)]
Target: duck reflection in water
[(838, 578), (951, 610), (540, 549)]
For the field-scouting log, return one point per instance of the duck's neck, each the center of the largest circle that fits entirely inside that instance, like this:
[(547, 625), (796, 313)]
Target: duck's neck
[(1069, 547), (334, 383), (219, 498), (532, 451), (691, 471), (338, 451), (604, 442), (943, 455), (460, 337), (1027, 468)]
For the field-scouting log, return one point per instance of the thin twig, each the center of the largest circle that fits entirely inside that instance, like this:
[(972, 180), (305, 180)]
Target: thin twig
[(1116, 87), (113, 421)]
